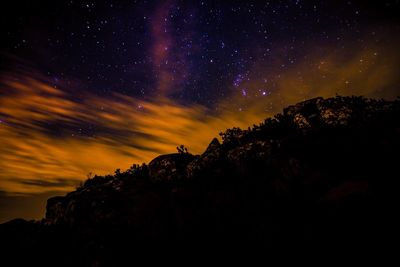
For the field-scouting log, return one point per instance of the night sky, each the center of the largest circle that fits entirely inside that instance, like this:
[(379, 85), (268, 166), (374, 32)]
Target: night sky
[(91, 86)]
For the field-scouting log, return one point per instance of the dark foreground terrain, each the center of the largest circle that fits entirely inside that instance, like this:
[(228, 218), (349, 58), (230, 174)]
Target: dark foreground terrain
[(319, 177)]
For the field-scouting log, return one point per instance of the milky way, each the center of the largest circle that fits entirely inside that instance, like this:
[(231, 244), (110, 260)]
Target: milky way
[(90, 87)]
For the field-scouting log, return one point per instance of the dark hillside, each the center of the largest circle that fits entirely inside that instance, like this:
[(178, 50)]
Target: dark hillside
[(321, 176)]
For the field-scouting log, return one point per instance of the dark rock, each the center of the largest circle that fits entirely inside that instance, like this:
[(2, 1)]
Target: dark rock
[(55, 209), (254, 153), (169, 167), (213, 146), (306, 108), (206, 161)]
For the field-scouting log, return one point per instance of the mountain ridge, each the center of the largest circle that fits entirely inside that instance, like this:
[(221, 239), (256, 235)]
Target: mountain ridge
[(322, 172)]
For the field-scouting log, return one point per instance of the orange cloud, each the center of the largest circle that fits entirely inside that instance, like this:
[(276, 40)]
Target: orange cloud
[(34, 160), (41, 150), (371, 71)]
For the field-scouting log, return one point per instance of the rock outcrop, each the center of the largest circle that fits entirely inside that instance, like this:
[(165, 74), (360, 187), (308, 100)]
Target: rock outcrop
[(169, 167), (207, 161)]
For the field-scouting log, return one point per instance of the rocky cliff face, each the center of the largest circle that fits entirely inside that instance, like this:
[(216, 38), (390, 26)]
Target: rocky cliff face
[(322, 174)]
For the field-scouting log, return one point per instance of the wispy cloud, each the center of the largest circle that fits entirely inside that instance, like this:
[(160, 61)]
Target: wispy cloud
[(42, 150), (128, 131)]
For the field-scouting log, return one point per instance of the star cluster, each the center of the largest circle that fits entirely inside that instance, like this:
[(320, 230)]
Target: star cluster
[(192, 49)]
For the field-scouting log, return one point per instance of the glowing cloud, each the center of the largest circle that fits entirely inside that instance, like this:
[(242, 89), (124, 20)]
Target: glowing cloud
[(41, 148), (34, 159)]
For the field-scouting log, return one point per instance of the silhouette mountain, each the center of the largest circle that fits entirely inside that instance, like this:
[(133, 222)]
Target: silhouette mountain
[(321, 176)]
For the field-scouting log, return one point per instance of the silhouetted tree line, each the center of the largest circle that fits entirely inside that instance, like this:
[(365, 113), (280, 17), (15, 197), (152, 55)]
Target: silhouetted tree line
[(284, 124)]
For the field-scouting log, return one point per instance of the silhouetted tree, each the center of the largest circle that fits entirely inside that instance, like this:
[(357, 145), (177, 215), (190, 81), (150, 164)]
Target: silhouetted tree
[(232, 137), (182, 149)]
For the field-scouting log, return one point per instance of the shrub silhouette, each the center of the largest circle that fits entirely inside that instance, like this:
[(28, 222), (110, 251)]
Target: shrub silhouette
[(182, 149)]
